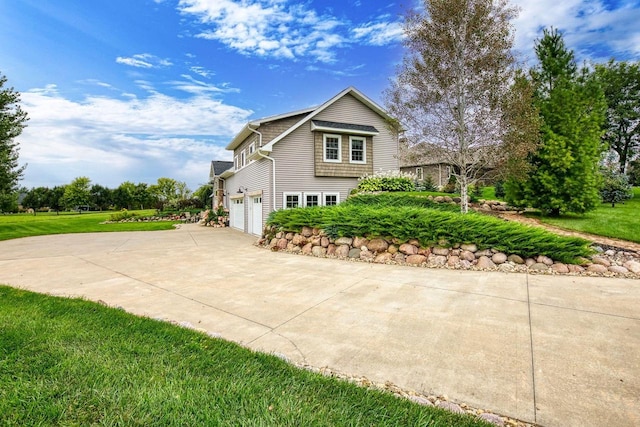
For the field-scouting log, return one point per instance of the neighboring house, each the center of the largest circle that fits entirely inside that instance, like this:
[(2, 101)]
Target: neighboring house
[(311, 157), (440, 172), (217, 167)]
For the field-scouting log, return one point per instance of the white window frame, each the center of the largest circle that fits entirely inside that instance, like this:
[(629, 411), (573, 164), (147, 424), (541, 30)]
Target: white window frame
[(252, 148), (324, 148), (236, 163), (419, 174), (243, 158), (284, 199), (318, 195), (364, 149), (324, 198)]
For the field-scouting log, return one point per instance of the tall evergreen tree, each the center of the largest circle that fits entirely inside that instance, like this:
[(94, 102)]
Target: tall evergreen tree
[(564, 169), (12, 121), (621, 84)]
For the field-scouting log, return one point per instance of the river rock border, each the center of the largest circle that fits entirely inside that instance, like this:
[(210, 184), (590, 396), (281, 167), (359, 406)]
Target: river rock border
[(315, 242)]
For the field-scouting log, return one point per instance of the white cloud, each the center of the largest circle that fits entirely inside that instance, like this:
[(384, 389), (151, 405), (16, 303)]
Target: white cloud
[(278, 29), (590, 27), (144, 60), (198, 87), (379, 33), (112, 140)]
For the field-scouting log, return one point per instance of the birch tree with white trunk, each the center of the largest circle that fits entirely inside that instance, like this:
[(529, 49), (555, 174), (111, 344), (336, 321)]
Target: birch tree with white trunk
[(450, 92)]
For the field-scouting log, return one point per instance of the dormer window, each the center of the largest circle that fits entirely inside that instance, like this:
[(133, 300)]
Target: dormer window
[(332, 147)]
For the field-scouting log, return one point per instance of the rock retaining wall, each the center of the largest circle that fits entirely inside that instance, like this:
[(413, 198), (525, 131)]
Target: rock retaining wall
[(312, 241)]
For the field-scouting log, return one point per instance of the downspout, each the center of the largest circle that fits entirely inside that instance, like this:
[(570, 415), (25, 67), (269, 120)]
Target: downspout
[(273, 168)]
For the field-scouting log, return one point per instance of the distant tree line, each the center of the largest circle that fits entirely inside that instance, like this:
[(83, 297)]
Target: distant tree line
[(82, 195)]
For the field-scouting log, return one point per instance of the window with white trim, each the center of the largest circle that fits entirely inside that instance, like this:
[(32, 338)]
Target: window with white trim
[(332, 148), (236, 163), (419, 174), (243, 158), (330, 199), (311, 199), (357, 149), (252, 148), (291, 200)]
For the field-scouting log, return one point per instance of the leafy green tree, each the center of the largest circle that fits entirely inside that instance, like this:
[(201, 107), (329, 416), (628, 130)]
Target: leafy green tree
[(169, 192), (634, 172), (564, 173), (615, 186), (451, 90), (203, 195), (142, 197), (621, 84), (77, 194), (101, 197), (12, 122), (55, 198), (37, 198), (123, 196)]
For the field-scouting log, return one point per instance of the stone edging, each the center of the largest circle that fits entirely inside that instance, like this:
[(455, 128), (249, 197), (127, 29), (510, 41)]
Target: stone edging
[(313, 241)]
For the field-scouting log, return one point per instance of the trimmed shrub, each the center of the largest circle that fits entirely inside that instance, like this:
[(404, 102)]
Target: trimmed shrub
[(122, 215), (432, 227), (397, 199), (615, 187), (386, 181)]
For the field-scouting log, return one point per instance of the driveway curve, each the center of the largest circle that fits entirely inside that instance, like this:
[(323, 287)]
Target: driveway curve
[(551, 350)]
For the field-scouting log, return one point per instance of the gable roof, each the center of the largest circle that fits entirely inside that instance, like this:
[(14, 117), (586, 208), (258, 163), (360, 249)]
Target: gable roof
[(219, 166), (309, 113)]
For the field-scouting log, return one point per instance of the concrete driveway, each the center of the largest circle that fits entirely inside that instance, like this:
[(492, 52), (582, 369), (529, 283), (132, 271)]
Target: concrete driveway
[(555, 350)]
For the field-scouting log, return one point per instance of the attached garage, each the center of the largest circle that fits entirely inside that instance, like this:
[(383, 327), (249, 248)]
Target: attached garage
[(236, 213), (255, 214)]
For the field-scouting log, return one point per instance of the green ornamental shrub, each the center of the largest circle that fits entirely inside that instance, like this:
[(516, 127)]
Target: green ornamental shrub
[(386, 181), (615, 187)]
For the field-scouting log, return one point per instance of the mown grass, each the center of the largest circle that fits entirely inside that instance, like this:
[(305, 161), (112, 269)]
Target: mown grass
[(25, 225), (621, 221), (74, 362)]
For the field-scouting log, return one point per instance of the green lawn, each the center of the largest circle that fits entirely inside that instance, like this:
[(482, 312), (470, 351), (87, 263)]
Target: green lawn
[(24, 225), (75, 362), (621, 222)]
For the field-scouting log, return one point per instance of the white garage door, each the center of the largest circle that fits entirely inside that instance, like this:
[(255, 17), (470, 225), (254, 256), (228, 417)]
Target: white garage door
[(236, 214), (255, 215)]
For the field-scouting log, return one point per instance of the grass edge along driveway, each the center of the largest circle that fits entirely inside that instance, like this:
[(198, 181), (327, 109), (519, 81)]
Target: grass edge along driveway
[(74, 362)]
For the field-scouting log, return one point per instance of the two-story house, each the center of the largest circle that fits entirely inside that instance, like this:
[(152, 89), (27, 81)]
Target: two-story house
[(311, 157)]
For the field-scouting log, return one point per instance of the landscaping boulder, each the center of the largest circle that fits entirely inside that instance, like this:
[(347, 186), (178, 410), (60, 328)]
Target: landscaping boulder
[(306, 249), (575, 268), (499, 258), (485, 262), (601, 261), (344, 241), (408, 249), (377, 245), (307, 231), (383, 258), (597, 268), (359, 242), (618, 269), (343, 251), (319, 251), (467, 255), (440, 251), (416, 259), (470, 248), (354, 253), (324, 241), (282, 243), (632, 266), (439, 259), (560, 268), (545, 260), (516, 259), (331, 249), (453, 261), (393, 249), (299, 240), (539, 266)]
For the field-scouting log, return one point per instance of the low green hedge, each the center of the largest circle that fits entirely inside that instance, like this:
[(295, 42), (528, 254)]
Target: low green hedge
[(398, 199), (432, 227)]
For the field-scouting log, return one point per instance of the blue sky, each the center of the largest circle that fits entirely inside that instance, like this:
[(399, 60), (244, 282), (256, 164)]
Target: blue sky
[(139, 89)]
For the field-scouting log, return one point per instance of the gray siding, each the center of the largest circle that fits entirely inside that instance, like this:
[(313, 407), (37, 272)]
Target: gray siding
[(254, 177), (295, 168), (349, 110)]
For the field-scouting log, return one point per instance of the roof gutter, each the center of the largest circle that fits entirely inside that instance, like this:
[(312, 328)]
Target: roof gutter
[(273, 167)]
